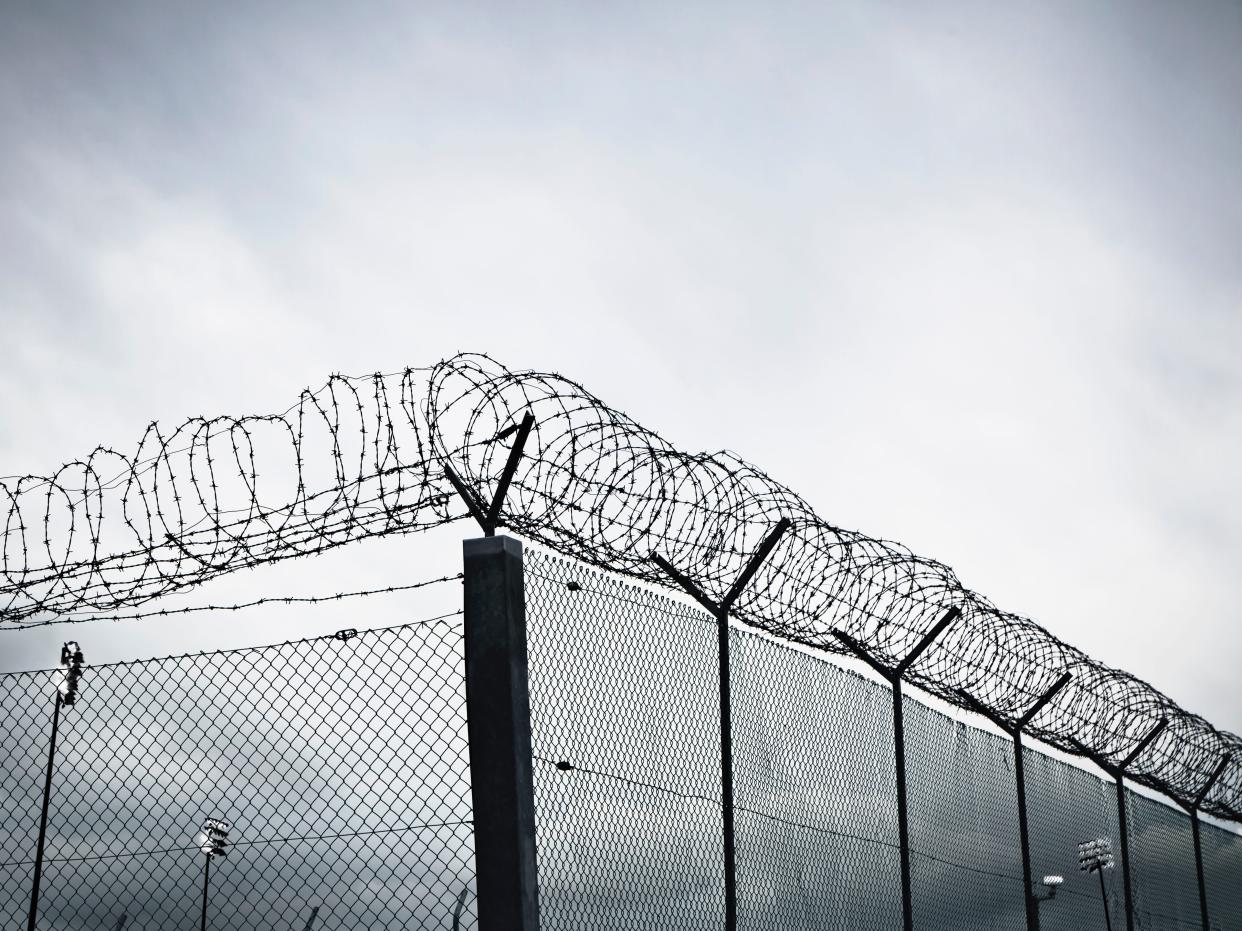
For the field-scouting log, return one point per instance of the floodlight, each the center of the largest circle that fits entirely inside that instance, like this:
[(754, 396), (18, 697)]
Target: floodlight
[(70, 672), (211, 841), (66, 693), (214, 837), (1095, 855)]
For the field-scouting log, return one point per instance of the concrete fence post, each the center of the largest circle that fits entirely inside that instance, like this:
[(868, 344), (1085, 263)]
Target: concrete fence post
[(498, 721)]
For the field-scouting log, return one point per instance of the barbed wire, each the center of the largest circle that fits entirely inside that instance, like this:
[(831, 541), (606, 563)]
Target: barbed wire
[(259, 602), (341, 465)]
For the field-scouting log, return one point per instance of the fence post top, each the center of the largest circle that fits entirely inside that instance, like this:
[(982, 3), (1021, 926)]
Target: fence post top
[(491, 546)]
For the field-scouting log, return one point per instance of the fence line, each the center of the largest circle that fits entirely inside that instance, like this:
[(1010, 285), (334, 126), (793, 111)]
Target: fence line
[(343, 764), (372, 456), (623, 681)]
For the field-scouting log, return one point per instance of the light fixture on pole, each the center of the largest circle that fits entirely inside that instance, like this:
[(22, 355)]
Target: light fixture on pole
[(1050, 884), (212, 841), (68, 676), (1096, 856)]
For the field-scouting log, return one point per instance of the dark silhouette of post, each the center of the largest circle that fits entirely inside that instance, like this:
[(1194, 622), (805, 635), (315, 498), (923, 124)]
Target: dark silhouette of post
[(1123, 818), (66, 694), (1118, 772), (894, 676), (458, 906), (206, 886), (1014, 730), (310, 922), (498, 720), (1108, 921), (721, 613), (1193, 810), (47, 794)]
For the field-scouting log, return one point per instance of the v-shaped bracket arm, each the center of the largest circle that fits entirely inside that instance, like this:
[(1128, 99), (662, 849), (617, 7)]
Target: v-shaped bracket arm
[(1015, 727), (744, 578), (892, 674), (1207, 786), (1143, 744), (488, 516), (1118, 770)]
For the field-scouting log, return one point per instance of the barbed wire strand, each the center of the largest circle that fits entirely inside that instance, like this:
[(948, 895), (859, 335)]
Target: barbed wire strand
[(364, 457)]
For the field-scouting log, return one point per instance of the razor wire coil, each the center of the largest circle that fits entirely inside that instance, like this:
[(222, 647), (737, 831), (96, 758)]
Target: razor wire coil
[(365, 457)]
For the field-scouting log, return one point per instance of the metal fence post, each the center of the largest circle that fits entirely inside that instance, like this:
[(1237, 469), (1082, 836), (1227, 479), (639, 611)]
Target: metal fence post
[(47, 792), (1123, 820), (894, 676), (498, 722), (1014, 730), (903, 817), (1024, 835), (1203, 906), (1193, 811), (1123, 831), (721, 613)]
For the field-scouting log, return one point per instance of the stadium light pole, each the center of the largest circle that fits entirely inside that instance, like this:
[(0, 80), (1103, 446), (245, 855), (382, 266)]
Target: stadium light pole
[(1096, 856), (66, 694), (212, 842)]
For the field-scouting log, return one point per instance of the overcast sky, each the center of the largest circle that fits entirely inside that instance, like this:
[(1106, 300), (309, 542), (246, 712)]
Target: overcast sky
[(964, 275)]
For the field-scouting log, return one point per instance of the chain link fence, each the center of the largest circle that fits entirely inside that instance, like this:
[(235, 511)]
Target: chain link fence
[(624, 712), (342, 765)]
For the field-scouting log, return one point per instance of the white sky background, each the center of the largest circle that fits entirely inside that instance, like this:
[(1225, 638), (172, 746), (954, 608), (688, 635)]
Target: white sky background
[(964, 275)]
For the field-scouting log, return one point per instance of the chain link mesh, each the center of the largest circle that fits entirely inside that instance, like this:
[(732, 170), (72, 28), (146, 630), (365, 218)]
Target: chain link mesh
[(1222, 873), (1067, 805), (1162, 855), (624, 710), (341, 764), (965, 854), (816, 828), (343, 767), (623, 687)]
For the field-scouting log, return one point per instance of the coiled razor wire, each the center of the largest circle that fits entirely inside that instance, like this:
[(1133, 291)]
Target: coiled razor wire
[(366, 457)]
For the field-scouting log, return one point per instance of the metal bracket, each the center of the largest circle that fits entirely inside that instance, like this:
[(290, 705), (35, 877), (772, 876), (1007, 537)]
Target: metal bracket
[(1012, 728), (896, 672), (1207, 787), (1142, 744), (743, 579), (489, 518)]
